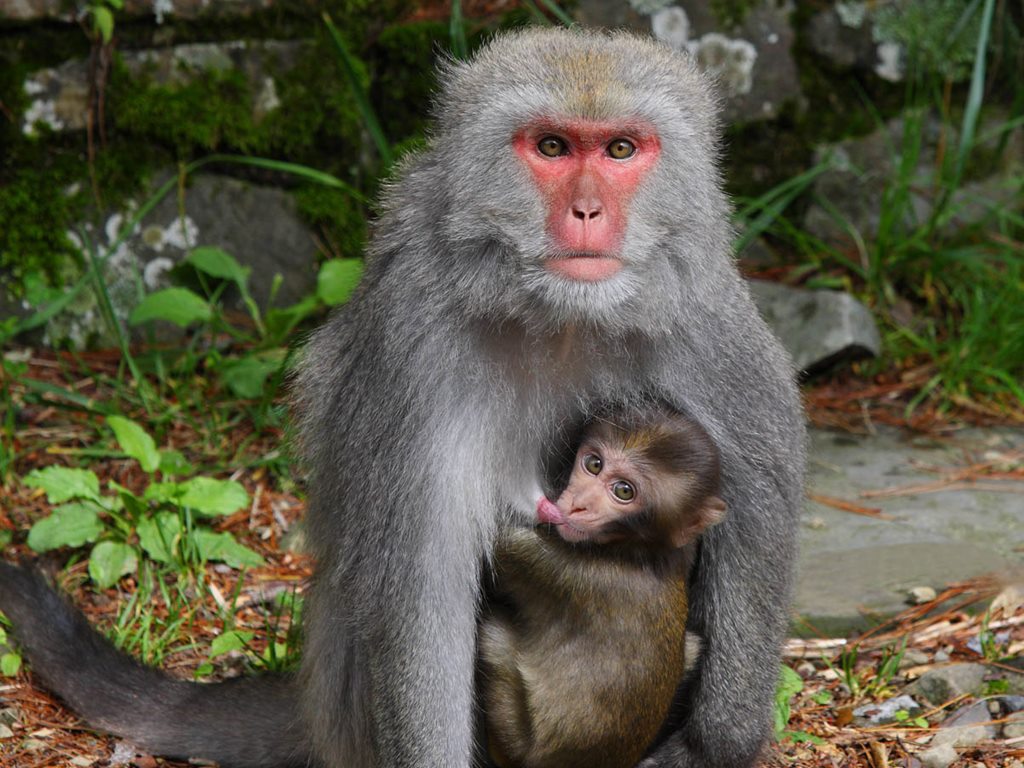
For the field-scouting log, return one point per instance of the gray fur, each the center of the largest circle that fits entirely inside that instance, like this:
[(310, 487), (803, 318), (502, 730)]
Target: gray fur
[(428, 402)]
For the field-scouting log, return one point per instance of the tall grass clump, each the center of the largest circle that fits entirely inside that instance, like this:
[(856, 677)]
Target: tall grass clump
[(944, 270)]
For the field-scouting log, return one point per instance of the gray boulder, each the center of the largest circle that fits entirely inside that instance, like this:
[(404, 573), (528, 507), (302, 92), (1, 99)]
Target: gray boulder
[(818, 328)]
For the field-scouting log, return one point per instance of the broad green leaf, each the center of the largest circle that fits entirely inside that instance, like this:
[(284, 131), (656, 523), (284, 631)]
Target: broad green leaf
[(162, 492), (232, 640), (64, 483), (118, 4), (281, 321), (135, 506), (10, 664), (104, 21), (71, 525), (175, 305), (134, 441), (223, 547), (337, 280), (174, 463), (158, 536), (218, 263), (109, 561), (247, 377), (210, 496)]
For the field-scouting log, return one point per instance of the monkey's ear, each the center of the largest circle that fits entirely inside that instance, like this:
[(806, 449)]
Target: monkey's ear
[(710, 512)]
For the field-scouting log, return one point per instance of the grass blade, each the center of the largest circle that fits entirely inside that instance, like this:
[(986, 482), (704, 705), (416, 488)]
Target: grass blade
[(974, 95), (537, 13), (457, 31), (348, 65), (559, 14)]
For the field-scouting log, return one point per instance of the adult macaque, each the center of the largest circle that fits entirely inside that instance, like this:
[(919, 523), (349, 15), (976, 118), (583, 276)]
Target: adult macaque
[(583, 648), (562, 241)]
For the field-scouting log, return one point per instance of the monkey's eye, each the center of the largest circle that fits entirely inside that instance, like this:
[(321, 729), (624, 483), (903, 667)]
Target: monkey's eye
[(552, 146), (620, 149), (592, 463), (623, 491)]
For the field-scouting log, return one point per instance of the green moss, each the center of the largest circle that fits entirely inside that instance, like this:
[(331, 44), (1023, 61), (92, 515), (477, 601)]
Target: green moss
[(35, 212), (209, 113), (731, 13), (404, 81), (340, 220), (318, 118)]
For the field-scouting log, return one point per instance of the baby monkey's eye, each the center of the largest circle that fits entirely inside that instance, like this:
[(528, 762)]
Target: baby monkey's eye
[(592, 463), (620, 149), (624, 491), (552, 146)]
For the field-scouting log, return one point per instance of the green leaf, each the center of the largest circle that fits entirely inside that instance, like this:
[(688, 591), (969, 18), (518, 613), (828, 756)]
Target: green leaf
[(134, 441), (232, 640), (63, 483), (103, 21), (174, 463), (337, 280), (109, 561), (281, 321), (71, 525), (248, 376), (162, 492), (117, 4), (158, 536), (223, 547), (175, 305), (210, 496), (10, 664), (218, 263), (790, 683), (136, 507)]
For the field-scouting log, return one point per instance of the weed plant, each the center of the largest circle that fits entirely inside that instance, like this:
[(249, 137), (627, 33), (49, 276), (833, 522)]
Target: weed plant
[(946, 292)]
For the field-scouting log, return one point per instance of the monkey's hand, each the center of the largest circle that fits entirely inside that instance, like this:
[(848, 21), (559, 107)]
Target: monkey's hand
[(677, 753)]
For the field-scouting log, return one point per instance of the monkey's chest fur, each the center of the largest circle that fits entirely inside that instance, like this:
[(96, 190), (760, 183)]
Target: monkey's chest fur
[(580, 654)]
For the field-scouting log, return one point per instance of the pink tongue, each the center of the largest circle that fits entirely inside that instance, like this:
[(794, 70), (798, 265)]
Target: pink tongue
[(547, 512)]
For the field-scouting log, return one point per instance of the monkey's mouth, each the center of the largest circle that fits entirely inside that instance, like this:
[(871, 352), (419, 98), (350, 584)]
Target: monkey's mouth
[(584, 266)]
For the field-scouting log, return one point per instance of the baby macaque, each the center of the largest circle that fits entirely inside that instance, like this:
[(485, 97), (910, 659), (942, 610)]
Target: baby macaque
[(582, 650)]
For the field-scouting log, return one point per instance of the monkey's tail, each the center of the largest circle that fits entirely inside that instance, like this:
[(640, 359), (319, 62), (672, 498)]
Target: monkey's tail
[(244, 723)]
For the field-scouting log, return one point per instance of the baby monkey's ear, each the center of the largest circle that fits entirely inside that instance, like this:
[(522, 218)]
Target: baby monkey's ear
[(710, 511)]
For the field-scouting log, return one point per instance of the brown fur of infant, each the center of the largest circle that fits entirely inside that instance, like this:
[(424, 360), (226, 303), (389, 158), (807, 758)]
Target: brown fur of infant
[(583, 648)]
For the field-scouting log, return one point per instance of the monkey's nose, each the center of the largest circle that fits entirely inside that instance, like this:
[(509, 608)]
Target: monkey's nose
[(586, 212)]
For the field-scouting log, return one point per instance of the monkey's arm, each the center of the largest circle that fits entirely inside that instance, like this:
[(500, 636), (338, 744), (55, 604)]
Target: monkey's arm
[(399, 535), (745, 396)]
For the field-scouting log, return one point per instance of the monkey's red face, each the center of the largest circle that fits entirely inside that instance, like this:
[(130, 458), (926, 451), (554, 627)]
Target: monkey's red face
[(587, 173)]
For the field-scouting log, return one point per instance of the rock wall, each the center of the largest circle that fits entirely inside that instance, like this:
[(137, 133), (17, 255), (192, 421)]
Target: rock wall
[(90, 130)]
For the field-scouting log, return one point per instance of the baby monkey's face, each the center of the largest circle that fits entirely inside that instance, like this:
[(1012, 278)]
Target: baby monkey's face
[(606, 486)]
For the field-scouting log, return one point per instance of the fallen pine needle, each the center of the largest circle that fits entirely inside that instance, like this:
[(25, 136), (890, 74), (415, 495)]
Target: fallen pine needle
[(849, 506)]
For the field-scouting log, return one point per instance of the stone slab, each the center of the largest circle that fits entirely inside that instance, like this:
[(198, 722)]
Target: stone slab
[(854, 567)]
